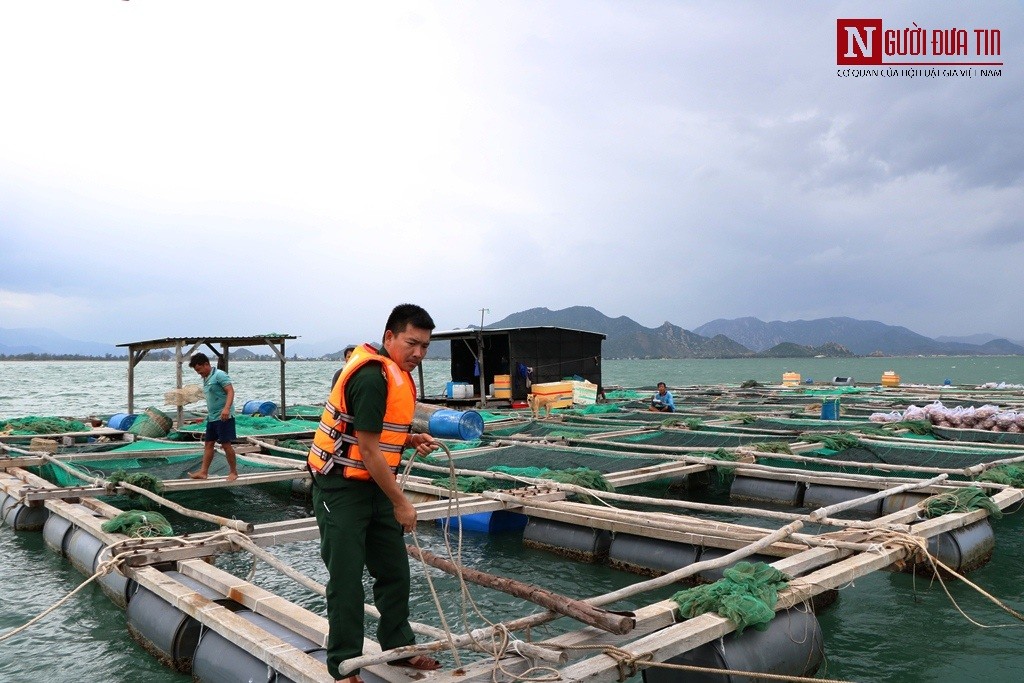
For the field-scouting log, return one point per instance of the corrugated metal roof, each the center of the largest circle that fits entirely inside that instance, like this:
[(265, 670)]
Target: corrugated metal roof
[(245, 340), (472, 331)]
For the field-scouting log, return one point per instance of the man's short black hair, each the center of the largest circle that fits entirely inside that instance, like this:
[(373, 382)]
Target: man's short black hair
[(662, 384), (198, 359), (404, 315)]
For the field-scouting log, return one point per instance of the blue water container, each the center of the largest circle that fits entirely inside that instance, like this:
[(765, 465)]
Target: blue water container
[(456, 424), (122, 421), (830, 409), (264, 408)]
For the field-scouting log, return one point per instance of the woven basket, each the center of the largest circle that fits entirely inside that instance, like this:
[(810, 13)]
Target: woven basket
[(153, 423)]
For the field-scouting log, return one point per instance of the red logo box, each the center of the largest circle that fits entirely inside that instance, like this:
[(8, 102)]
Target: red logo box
[(858, 41)]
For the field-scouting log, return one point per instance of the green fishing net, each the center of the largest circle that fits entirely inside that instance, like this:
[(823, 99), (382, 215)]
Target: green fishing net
[(836, 442), (960, 500), (143, 480), (913, 426), (746, 595), (772, 447), (466, 484), (138, 524), (1011, 475), (40, 425)]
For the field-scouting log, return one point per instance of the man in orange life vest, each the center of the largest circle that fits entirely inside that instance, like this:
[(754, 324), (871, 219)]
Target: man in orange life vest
[(359, 506)]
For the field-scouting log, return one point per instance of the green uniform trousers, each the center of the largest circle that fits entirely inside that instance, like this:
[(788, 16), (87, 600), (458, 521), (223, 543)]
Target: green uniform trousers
[(358, 528)]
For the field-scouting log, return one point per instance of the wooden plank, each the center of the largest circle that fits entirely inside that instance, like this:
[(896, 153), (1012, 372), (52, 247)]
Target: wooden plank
[(291, 616), (265, 646)]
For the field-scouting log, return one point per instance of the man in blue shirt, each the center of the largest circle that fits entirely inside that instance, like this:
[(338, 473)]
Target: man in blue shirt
[(662, 401), (220, 419)]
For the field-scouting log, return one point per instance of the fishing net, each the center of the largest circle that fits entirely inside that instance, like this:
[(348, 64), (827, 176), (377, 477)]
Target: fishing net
[(41, 425), (138, 524), (535, 428), (467, 484), (597, 409), (960, 500), (1011, 475), (746, 595), (255, 425), (625, 394), (772, 447), (833, 442), (682, 437), (540, 456), (580, 476), (141, 480), (190, 393), (978, 435)]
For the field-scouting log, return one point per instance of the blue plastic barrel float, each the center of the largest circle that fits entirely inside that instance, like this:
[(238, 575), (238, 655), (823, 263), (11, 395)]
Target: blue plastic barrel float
[(264, 408), (830, 409), (456, 424), (122, 421)]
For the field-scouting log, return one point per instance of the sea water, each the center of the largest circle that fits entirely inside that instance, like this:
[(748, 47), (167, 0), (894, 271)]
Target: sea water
[(884, 627)]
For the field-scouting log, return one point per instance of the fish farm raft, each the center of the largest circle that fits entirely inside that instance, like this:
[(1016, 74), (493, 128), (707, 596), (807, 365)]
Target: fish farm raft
[(736, 520)]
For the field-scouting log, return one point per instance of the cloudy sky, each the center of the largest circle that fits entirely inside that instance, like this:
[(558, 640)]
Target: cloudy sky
[(197, 167)]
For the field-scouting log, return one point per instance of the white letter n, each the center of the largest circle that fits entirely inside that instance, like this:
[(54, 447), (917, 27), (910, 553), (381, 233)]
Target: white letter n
[(852, 34)]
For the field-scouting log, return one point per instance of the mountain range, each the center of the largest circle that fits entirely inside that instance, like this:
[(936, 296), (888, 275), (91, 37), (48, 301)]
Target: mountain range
[(743, 337), (626, 338)]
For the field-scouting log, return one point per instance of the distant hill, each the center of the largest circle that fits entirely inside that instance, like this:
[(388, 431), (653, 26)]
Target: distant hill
[(791, 350), (628, 338), (37, 340), (862, 337)]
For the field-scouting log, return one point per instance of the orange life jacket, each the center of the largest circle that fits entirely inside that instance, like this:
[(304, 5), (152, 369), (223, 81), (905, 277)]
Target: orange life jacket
[(335, 443)]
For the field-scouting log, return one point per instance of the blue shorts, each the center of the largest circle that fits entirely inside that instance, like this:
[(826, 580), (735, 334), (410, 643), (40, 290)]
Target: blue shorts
[(221, 431)]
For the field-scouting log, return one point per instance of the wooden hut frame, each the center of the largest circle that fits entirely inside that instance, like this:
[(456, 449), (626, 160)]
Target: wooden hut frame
[(184, 347)]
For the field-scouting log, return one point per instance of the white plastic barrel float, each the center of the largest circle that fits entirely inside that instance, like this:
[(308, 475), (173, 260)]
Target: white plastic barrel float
[(164, 630), (86, 552), (218, 660), (21, 517), (57, 533)]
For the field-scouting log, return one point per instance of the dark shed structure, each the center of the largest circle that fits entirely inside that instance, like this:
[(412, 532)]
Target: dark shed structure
[(542, 354)]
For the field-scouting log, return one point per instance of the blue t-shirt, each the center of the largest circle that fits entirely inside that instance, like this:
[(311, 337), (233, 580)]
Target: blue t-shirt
[(215, 389), (665, 400)]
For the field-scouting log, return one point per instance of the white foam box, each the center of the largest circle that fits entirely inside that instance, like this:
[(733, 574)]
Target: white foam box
[(584, 393)]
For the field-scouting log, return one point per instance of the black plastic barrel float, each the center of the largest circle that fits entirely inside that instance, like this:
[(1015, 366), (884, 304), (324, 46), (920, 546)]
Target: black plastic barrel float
[(218, 660), (57, 533), (86, 552), (302, 488), (651, 556), (792, 646), (165, 631), (712, 575), (21, 517), (777, 491), (901, 501), (964, 549), (578, 542), (823, 495)]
